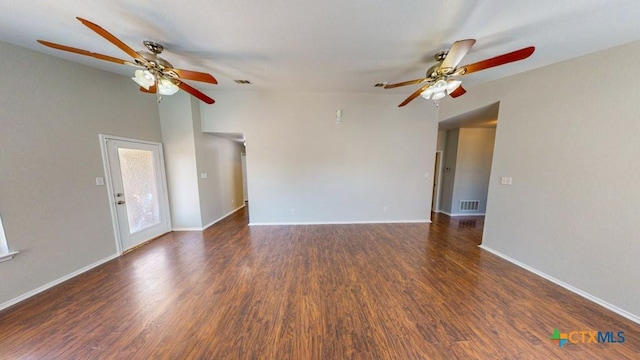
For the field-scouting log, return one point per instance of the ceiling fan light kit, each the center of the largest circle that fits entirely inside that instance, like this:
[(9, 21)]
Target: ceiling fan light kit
[(144, 78), (440, 89), (154, 75), (440, 78), (167, 87)]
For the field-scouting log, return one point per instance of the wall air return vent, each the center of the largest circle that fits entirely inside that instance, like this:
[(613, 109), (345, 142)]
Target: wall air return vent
[(469, 205)]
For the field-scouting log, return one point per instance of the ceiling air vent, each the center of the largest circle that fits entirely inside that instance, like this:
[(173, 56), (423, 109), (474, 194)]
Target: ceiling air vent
[(243, 82)]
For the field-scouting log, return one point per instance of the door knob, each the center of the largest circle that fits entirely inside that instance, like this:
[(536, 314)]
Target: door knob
[(120, 202)]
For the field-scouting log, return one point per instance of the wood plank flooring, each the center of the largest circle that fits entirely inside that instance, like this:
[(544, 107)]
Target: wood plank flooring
[(392, 291)]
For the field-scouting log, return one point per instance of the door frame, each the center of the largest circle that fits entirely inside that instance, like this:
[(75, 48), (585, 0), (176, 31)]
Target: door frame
[(109, 183), (437, 181), (245, 188)]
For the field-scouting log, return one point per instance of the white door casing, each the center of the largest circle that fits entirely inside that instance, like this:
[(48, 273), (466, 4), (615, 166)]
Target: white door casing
[(437, 176), (137, 190), (245, 192)]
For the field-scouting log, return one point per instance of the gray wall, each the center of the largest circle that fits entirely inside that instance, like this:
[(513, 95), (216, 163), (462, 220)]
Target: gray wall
[(52, 210), (468, 153), (197, 202), (221, 191), (304, 168), (473, 167), (178, 134), (572, 211)]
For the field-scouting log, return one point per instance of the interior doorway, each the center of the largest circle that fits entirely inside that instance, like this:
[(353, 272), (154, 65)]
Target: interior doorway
[(137, 188)]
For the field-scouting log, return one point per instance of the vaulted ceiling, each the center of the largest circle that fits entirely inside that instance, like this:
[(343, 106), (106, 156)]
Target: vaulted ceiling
[(329, 45)]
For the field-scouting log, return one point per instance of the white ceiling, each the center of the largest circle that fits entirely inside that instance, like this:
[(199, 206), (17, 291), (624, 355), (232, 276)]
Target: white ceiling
[(328, 45)]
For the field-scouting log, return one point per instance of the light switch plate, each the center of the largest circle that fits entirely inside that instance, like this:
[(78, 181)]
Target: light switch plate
[(506, 180), (99, 181)]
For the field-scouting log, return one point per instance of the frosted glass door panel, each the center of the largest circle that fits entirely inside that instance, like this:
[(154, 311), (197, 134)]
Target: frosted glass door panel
[(138, 179)]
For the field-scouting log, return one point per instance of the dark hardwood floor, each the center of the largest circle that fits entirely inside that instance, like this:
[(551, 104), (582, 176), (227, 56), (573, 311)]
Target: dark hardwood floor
[(393, 291)]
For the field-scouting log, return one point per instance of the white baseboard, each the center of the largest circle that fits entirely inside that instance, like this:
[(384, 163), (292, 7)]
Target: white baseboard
[(8, 256), (56, 282), (339, 222), (571, 288), (461, 214)]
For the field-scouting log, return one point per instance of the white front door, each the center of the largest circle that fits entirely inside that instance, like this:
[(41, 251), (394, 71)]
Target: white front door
[(138, 190)]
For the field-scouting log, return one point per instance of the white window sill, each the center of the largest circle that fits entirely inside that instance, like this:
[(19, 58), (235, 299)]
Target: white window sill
[(9, 256)]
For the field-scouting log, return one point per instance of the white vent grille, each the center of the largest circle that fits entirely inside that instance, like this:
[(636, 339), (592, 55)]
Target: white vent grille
[(469, 205)]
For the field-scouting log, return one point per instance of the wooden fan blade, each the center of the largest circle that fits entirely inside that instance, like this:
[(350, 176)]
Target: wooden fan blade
[(499, 60), (85, 52), (195, 92), (410, 82), (114, 40), (458, 92), (414, 95), (152, 89), (457, 51), (194, 75)]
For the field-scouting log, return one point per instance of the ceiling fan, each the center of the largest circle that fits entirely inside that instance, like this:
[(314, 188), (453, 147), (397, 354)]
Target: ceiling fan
[(440, 79), (155, 75)]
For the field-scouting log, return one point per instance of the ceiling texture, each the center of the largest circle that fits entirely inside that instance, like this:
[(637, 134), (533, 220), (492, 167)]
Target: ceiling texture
[(328, 45)]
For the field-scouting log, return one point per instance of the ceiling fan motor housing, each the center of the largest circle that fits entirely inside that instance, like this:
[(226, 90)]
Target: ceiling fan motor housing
[(155, 63), (434, 71)]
